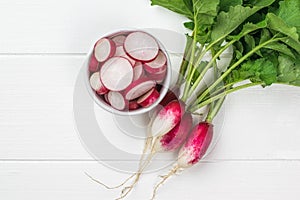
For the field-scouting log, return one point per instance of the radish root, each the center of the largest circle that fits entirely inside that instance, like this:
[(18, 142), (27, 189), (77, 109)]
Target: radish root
[(164, 178)]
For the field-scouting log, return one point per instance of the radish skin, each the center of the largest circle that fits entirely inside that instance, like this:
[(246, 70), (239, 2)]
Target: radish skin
[(133, 105), (175, 138)]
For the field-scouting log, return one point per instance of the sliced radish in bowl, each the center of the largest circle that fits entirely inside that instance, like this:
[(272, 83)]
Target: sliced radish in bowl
[(93, 64), (158, 77), (104, 49), (138, 88), (119, 40), (117, 100), (133, 105), (149, 98), (141, 46), (116, 73), (138, 71), (120, 52), (97, 85), (157, 65)]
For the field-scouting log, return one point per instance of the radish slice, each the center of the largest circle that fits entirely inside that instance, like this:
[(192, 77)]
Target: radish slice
[(116, 100), (105, 96), (96, 84), (159, 64), (138, 88), (116, 73), (149, 98), (158, 77), (138, 71), (133, 105), (104, 49), (119, 40), (93, 64), (141, 46), (120, 52)]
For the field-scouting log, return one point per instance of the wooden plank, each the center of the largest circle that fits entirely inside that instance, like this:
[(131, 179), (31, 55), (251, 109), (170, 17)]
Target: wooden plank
[(221, 180), (36, 116), (54, 26)]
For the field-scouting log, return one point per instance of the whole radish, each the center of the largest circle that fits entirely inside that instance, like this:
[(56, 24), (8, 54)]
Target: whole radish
[(192, 151)]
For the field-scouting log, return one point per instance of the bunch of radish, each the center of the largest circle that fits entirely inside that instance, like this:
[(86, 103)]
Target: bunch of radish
[(126, 70)]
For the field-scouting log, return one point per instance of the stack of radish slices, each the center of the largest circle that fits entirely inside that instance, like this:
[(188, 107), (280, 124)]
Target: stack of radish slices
[(126, 70)]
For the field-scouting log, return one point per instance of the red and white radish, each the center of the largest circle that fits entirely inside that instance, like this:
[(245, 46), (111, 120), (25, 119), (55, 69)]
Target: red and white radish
[(105, 97), (159, 64), (192, 151), (172, 94), (167, 118), (138, 88), (175, 137), (116, 73), (97, 85), (117, 100), (104, 49), (119, 40), (93, 64), (120, 52), (149, 98), (138, 71), (141, 46)]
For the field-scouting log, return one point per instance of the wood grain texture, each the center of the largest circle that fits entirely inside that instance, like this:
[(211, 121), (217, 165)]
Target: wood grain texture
[(211, 181)]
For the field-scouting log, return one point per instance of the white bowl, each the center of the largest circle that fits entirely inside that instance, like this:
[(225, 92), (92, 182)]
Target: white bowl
[(165, 84)]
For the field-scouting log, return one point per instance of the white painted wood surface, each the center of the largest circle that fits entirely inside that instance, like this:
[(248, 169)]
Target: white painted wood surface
[(42, 47)]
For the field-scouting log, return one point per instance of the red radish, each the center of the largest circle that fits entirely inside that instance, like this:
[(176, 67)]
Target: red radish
[(120, 52), (141, 46), (96, 84), (116, 73), (116, 100), (159, 64), (149, 98), (104, 49), (93, 64), (167, 118), (192, 151), (133, 105), (119, 40), (138, 88), (138, 71), (196, 145), (175, 137)]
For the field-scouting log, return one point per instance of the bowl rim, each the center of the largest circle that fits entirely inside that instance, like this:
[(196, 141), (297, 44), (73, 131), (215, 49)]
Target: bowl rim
[(104, 105)]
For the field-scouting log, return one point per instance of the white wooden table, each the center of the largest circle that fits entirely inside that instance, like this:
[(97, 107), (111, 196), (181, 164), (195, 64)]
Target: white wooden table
[(42, 47)]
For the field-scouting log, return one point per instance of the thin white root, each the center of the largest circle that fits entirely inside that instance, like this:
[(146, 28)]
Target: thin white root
[(110, 187), (164, 178), (129, 188)]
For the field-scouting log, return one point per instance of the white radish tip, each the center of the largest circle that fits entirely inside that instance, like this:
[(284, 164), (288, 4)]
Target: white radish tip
[(141, 46), (116, 73), (138, 88), (104, 49)]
